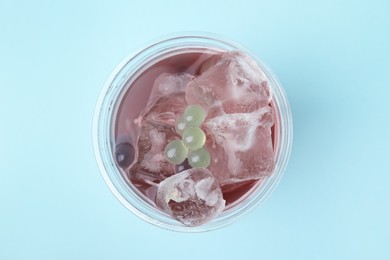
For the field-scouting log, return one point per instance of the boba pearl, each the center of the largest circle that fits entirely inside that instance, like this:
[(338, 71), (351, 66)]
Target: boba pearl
[(175, 152), (193, 138), (180, 125), (124, 154), (194, 115), (199, 158), (182, 167)]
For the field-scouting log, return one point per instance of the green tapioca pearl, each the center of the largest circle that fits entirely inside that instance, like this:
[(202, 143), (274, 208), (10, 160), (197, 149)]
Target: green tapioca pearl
[(180, 125), (199, 158), (175, 152), (193, 138), (194, 115)]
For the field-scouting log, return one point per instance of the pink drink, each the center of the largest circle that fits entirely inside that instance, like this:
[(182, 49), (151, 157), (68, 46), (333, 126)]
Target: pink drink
[(135, 100), (191, 132)]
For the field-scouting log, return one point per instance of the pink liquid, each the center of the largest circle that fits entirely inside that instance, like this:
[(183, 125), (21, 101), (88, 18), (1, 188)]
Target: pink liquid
[(134, 101)]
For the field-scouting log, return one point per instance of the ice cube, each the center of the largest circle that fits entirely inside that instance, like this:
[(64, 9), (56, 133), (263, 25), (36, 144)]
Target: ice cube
[(151, 165), (168, 84), (240, 145), (230, 82), (157, 128), (167, 109), (193, 196)]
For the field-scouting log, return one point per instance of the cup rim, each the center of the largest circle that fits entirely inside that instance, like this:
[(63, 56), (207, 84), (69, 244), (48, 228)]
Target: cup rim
[(103, 116)]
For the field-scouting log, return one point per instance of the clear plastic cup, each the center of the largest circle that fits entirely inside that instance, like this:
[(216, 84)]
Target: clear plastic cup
[(103, 129)]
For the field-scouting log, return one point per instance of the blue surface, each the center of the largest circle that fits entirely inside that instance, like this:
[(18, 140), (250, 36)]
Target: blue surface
[(333, 59)]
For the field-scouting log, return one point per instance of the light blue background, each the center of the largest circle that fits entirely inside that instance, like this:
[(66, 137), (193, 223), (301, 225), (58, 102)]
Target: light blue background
[(333, 59)]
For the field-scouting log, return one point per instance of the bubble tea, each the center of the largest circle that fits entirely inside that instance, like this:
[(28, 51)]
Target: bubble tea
[(195, 132)]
